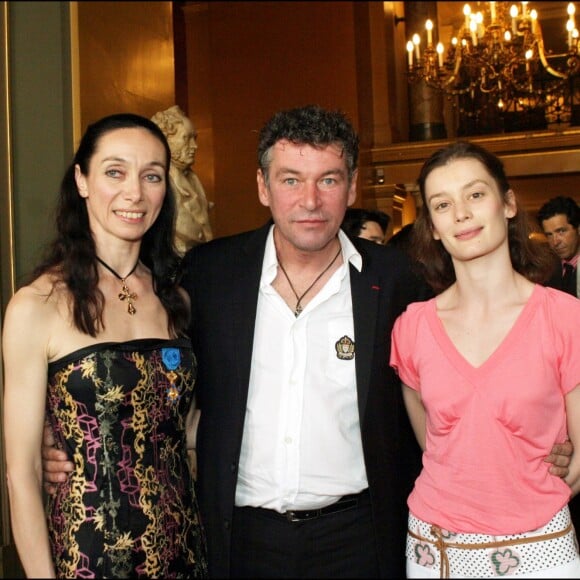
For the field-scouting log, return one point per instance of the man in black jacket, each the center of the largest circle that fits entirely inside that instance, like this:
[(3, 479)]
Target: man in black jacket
[(299, 446), (560, 220)]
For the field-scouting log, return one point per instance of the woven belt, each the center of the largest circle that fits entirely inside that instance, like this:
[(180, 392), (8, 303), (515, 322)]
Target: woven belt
[(345, 503), (442, 545)]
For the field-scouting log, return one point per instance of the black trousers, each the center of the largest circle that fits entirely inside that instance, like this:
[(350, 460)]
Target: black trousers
[(338, 545), (574, 506)]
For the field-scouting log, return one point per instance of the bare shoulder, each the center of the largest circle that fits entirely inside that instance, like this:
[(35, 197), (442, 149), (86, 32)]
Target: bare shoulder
[(34, 308), (37, 298)]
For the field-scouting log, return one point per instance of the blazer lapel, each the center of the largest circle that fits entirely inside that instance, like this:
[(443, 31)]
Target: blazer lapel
[(245, 303), (365, 290)]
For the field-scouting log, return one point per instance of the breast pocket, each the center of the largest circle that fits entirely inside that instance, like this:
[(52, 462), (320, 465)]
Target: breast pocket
[(341, 351)]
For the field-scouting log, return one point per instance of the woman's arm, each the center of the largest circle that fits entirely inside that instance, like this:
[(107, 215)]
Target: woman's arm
[(25, 372), (573, 421), (416, 413)]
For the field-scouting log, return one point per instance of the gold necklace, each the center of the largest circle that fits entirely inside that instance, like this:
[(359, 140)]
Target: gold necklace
[(298, 309), (125, 293)]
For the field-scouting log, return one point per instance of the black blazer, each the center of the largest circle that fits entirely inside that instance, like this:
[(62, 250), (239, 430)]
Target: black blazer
[(557, 281), (222, 278)]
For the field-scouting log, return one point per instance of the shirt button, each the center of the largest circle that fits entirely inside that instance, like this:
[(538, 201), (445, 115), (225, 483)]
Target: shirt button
[(287, 440), (233, 467)]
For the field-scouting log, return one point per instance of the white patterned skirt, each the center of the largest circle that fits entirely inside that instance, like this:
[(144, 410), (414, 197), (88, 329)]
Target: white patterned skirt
[(548, 552)]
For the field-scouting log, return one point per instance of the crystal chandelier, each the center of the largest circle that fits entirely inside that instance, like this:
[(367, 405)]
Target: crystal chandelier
[(498, 60)]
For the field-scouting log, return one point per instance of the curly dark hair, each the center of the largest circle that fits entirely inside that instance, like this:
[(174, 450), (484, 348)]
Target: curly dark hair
[(530, 258), (355, 218), (309, 125), (560, 205), (71, 256)]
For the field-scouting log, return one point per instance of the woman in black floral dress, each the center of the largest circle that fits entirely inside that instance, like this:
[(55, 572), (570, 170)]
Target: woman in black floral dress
[(96, 341)]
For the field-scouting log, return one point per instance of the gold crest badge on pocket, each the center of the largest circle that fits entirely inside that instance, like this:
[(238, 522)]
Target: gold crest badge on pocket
[(344, 348)]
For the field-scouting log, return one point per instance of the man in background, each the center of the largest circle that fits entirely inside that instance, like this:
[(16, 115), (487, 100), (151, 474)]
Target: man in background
[(370, 224), (560, 220)]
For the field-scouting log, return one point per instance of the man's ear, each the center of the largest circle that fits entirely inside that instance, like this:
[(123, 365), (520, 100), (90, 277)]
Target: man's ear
[(352, 188), (263, 195)]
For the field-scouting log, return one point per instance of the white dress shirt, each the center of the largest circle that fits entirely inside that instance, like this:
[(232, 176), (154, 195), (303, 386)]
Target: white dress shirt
[(301, 447)]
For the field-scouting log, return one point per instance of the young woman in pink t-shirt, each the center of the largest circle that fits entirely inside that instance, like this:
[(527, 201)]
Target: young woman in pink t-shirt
[(490, 369)]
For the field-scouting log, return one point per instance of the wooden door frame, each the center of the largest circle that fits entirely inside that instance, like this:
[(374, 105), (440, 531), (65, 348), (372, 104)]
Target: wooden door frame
[(9, 565)]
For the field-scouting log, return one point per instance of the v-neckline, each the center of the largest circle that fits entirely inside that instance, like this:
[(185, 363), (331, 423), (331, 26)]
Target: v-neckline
[(459, 361)]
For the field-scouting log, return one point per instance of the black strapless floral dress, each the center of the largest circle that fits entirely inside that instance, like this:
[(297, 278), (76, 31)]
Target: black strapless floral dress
[(129, 508)]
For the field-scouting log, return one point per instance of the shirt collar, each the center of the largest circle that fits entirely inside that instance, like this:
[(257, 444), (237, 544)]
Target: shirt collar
[(270, 266)]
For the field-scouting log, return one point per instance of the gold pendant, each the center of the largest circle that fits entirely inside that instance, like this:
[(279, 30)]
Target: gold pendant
[(126, 294)]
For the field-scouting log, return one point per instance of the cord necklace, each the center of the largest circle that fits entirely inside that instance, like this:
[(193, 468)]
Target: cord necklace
[(298, 309), (125, 293)]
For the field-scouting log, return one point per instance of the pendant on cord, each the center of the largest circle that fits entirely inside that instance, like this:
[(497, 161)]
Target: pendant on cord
[(125, 293), (298, 308), (129, 296)]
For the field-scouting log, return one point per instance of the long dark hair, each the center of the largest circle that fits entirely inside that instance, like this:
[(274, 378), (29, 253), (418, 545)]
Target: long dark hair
[(71, 257), (530, 258)]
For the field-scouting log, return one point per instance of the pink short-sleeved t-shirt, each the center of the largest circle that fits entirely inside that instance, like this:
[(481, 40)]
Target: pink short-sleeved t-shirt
[(489, 428)]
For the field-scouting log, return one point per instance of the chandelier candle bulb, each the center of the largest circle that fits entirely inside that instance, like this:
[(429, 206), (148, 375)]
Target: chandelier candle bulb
[(514, 15), (473, 28), (529, 54), (493, 12), (466, 12), (440, 50), (410, 53), (416, 42), (479, 23), (429, 28)]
